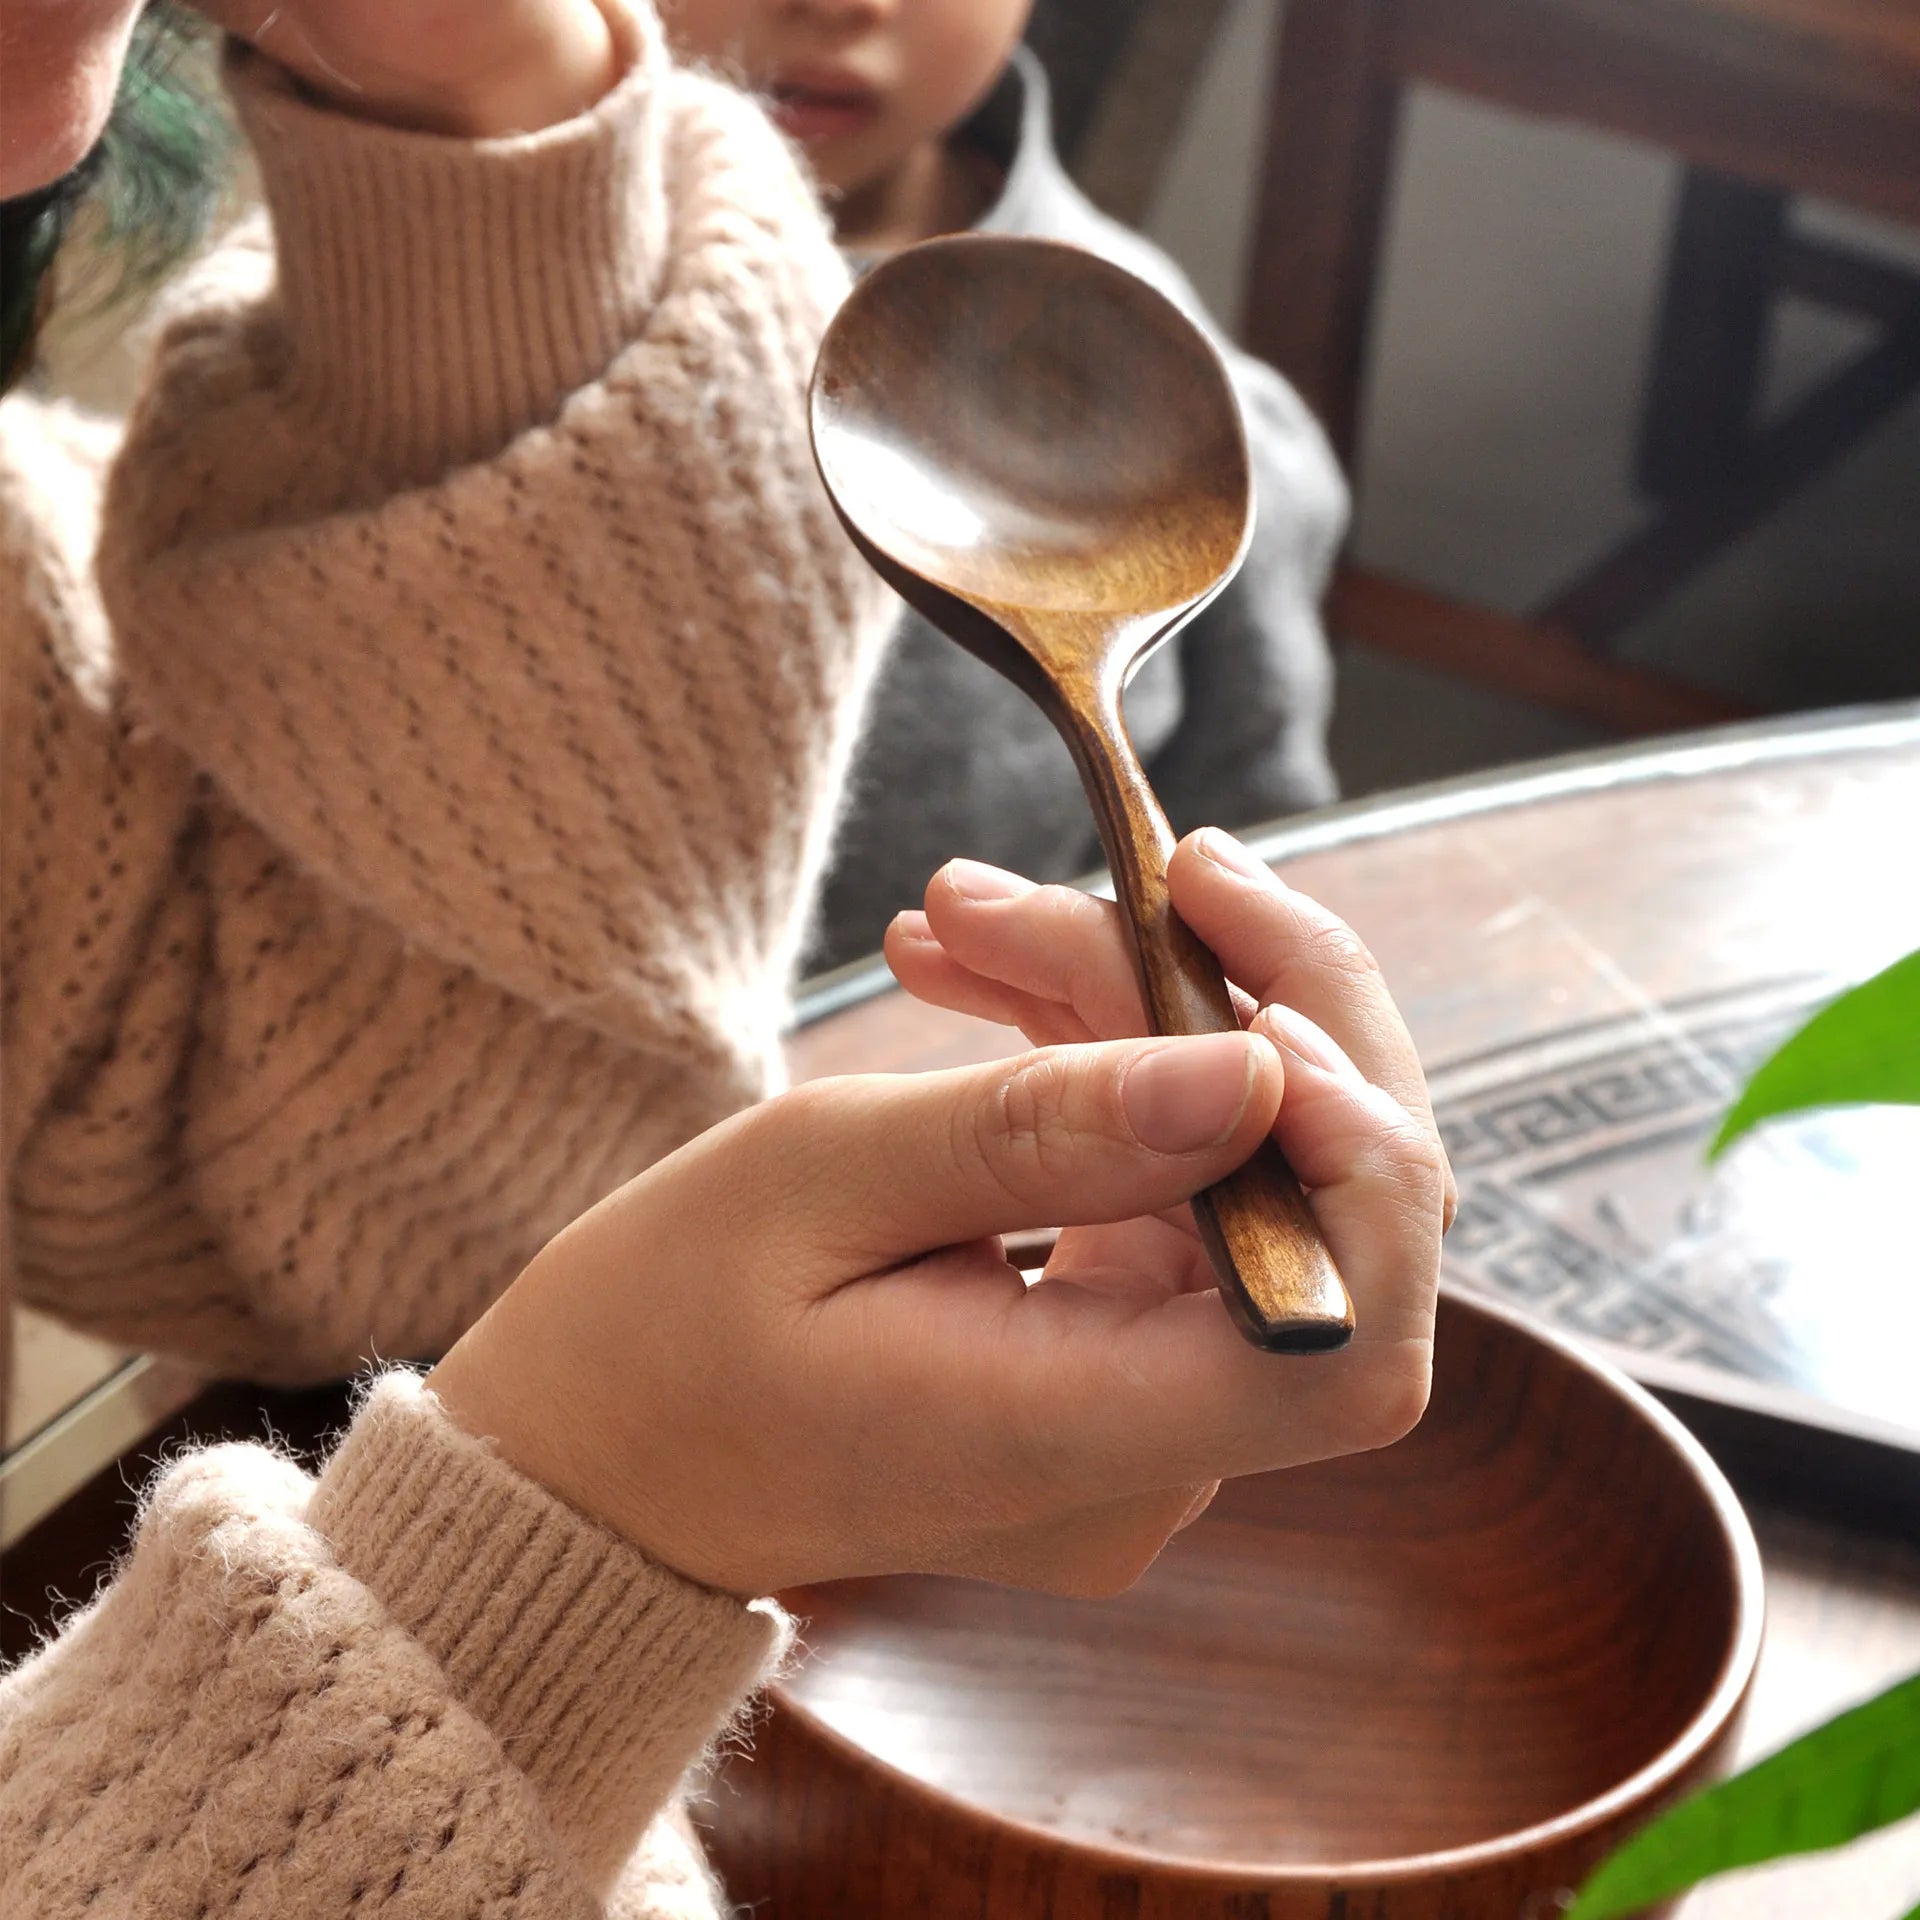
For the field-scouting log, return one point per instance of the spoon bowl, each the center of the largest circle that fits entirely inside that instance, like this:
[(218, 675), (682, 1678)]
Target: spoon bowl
[(1043, 456), (1013, 476)]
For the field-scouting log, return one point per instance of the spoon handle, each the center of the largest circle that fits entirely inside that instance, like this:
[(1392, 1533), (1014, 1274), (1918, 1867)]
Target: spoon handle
[(1275, 1273)]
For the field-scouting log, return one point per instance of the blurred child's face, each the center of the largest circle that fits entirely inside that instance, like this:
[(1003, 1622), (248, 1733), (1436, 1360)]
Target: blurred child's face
[(860, 84)]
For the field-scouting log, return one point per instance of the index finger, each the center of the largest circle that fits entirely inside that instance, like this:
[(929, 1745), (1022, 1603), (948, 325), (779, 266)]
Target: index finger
[(1288, 949)]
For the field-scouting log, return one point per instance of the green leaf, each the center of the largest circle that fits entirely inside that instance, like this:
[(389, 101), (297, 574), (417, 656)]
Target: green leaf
[(1857, 1773), (1861, 1049)]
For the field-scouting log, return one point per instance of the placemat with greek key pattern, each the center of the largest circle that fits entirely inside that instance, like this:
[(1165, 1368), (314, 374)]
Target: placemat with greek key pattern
[(1586, 1198)]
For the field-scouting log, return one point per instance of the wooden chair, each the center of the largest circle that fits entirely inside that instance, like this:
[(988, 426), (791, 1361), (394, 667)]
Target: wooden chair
[(1764, 100), (1122, 71)]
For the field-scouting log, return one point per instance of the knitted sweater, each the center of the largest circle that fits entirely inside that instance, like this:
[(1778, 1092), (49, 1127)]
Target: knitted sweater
[(417, 841), (420, 1688), (406, 841)]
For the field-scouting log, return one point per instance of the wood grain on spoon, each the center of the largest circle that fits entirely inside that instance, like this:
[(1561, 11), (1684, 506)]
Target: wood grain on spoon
[(1044, 457)]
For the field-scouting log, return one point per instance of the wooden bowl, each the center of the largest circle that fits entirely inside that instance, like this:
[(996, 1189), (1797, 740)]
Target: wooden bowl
[(1433, 1683)]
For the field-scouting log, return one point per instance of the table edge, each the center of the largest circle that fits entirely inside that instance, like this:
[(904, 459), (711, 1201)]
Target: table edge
[(1736, 749)]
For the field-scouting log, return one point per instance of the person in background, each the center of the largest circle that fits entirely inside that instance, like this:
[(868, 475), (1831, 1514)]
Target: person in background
[(925, 117), (410, 833)]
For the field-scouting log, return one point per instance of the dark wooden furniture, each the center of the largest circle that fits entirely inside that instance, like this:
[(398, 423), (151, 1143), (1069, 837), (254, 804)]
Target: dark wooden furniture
[(1448, 1648), (1764, 99), (956, 425), (1121, 72), (1503, 912)]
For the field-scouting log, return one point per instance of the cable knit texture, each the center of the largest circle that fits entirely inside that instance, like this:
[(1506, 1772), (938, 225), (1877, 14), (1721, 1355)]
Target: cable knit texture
[(421, 1688), (405, 841), (419, 844)]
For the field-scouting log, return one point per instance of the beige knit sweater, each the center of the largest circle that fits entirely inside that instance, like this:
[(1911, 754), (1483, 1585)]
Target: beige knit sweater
[(406, 841), (421, 1688)]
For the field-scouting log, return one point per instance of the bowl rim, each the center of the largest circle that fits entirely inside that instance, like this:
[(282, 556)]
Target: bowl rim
[(1649, 1783)]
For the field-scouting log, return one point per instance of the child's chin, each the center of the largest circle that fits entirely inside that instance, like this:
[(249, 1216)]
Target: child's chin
[(842, 167)]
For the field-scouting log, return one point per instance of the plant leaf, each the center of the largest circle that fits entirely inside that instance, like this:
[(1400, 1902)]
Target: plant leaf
[(1859, 1772), (1861, 1049)]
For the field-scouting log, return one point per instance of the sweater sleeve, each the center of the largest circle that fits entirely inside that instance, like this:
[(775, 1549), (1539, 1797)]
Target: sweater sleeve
[(421, 1685), (423, 845), (1255, 674), (480, 562)]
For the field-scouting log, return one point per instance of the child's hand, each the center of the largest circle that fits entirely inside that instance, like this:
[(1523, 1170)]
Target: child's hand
[(442, 66), (794, 1351)]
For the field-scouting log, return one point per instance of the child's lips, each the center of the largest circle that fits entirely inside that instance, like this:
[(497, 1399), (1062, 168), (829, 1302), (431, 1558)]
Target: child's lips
[(813, 108)]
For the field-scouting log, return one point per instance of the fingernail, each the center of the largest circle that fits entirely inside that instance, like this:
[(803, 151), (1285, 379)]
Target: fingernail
[(1299, 1040), (911, 925), (1189, 1094), (1198, 1505), (1225, 851), (972, 880)]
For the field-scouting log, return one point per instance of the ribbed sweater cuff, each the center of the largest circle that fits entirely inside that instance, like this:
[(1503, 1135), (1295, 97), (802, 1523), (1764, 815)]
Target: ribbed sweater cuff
[(440, 294), (603, 1675)]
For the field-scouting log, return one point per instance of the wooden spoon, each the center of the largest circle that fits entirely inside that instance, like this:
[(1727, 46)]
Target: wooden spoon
[(1043, 456)]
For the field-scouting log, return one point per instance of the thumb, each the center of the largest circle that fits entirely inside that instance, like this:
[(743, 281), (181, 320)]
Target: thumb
[(889, 1168)]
